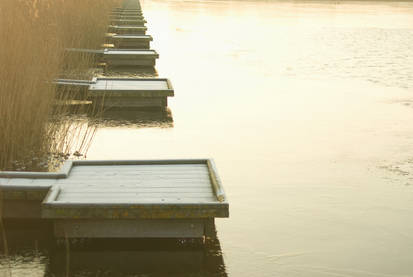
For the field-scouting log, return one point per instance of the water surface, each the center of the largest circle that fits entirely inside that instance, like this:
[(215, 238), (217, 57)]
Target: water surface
[(306, 108)]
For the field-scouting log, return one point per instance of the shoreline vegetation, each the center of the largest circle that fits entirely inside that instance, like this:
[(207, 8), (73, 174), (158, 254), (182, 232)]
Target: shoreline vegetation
[(35, 133)]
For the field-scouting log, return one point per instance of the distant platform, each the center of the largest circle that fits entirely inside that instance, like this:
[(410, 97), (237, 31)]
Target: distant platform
[(121, 57), (127, 17), (132, 57), (127, 29), (128, 41), (127, 13), (138, 22), (125, 92)]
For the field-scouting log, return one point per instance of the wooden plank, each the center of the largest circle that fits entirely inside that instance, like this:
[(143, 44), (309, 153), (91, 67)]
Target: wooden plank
[(127, 87), (21, 209), (140, 177), (127, 17), (131, 210), (137, 22), (129, 228), (66, 195), (132, 200), (92, 165), (155, 184), (24, 193), (131, 37), (130, 53), (156, 192), (141, 190), (112, 62)]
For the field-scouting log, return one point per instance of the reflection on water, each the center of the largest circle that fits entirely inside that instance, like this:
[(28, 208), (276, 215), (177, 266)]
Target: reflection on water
[(143, 257), (135, 119), (33, 252)]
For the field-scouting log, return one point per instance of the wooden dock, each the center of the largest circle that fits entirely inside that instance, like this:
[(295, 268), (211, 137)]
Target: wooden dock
[(120, 199), (127, 29), (127, 17), (125, 92), (120, 57), (126, 12), (137, 22), (129, 41)]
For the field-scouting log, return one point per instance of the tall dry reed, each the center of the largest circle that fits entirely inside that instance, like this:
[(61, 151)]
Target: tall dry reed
[(34, 35)]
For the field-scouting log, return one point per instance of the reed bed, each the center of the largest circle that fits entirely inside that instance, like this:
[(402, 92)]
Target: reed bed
[(32, 54)]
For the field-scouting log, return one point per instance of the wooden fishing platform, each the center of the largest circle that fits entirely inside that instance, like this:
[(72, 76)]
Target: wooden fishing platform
[(128, 41), (127, 13), (121, 57), (132, 57), (120, 199), (125, 92), (137, 22), (127, 17), (127, 10), (127, 29)]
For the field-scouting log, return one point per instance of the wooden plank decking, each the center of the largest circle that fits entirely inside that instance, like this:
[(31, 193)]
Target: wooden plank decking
[(125, 92), (134, 41), (127, 29), (137, 22), (151, 198), (120, 57)]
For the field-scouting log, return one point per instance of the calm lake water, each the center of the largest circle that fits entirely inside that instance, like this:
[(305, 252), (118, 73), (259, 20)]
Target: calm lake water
[(307, 109)]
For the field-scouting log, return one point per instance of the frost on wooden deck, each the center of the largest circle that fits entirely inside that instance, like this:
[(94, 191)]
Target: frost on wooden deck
[(181, 183), (140, 190), (167, 189), (127, 27), (129, 84), (131, 37), (136, 52), (146, 87)]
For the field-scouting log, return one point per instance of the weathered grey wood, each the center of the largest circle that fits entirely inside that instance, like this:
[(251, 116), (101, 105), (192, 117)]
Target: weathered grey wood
[(129, 87), (119, 190), (126, 92), (15, 175), (69, 82), (127, 29), (122, 41), (129, 228), (116, 57), (126, 10), (120, 13), (216, 182), (21, 209), (132, 57), (28, 192), (137, 22), (127, 17), (209, 228), (130, 62)]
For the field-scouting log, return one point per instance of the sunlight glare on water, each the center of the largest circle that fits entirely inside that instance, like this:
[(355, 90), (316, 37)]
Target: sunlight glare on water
[(306, 107)]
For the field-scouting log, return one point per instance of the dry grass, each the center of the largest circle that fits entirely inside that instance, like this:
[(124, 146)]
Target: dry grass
[(34, 35)]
